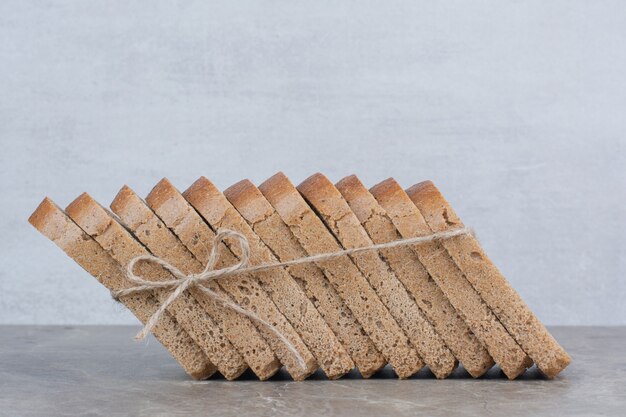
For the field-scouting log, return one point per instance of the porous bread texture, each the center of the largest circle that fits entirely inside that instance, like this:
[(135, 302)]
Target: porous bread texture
[(467, 302), (308, 232), (288, 296), (197, 321), (53, 223), (407, 267), (211, 204), (193, 232), (409, 315), (328, 203), (342, 273), (492, 286), (329, 351)]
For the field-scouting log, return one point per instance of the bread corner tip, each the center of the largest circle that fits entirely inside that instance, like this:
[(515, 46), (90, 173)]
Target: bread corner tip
[(277, 187), (318, 176), (38, 217), (384, 184), (239, 186), (423, 185), (198, 190), (280, 175), (316, 181), (273, 182), (351, 187), (238, 192), (422, 189), (122, 198), (161, 192), (202, 182), (163, 183), (78, 204), (350, 180)]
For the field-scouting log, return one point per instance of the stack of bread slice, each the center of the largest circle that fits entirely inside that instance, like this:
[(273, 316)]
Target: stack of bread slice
[(435, 304)]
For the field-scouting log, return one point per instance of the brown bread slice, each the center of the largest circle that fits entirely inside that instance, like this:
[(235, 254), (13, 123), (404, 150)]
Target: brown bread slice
[(287, 245), (211, 204), (407, 267), (343, 274), (281, 287), (495, 290), (468, 303), (53, 223), (380, 229), (266, 224), (327, 201), (193, 232), (122, 246)]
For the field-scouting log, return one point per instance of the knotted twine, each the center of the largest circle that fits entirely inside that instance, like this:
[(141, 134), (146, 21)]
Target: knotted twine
[(183, 281)]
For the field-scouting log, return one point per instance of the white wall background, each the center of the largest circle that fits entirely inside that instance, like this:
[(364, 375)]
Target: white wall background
[(517, 110)]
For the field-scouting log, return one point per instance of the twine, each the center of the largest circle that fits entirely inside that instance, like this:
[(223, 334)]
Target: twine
[(183, 281)]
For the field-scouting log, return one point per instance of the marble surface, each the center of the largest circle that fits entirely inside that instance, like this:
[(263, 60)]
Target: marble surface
[(100, 371)]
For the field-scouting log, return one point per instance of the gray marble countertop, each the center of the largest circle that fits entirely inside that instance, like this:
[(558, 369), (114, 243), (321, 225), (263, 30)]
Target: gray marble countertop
[(100, 371)]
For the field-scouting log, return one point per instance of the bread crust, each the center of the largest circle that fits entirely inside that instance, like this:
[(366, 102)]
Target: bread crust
[(467, 302), (53, 223), (188, 226), (199, 322), (374, 220), (211, 204), (265, 222), (492, 286)]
